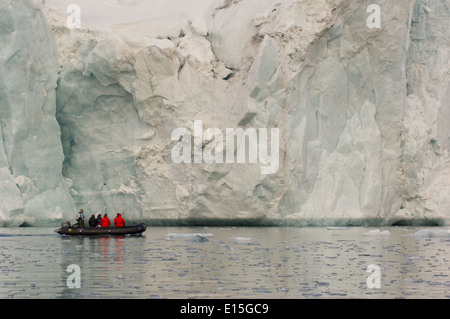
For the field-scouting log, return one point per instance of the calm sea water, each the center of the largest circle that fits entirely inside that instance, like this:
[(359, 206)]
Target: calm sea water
[(235, 262)]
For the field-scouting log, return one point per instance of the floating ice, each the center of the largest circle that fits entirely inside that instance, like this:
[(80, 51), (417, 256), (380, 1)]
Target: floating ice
[(198, 237), (241, 238), (432, 233), (377, 232)]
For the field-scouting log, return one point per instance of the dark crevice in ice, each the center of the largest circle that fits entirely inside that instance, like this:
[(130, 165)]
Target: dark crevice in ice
[(419, 222)]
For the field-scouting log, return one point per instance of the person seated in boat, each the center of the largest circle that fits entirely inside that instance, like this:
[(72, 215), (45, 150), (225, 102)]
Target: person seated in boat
[(119, 221), (99, 220), (80, 218), (93, 222), (105, 221)]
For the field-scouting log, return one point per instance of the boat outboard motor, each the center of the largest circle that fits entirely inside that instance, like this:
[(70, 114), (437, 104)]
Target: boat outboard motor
[(65, 224)]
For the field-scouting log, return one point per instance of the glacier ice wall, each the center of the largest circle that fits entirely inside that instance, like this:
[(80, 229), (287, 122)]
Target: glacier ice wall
[(363, 114), (31, 183)]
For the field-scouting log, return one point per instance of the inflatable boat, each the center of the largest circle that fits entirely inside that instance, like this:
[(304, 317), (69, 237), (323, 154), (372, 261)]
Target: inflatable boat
[(70, 230)]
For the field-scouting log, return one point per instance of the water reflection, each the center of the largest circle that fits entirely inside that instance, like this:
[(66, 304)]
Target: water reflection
[(102, 260)]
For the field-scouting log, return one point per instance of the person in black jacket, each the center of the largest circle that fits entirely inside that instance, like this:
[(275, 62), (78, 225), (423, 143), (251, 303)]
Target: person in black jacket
[(99, 219), (93, 222)]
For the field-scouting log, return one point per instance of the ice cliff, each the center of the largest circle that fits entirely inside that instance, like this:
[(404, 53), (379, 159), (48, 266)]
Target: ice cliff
[(363, 113), (32, 188)]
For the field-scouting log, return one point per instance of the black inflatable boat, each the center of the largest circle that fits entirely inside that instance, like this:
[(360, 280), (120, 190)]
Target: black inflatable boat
[(69, 230)]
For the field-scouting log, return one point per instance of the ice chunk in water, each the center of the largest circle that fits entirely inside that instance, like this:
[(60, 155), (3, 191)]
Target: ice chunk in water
[(241, 238), (430, 233), (198, 237), (377, 232)]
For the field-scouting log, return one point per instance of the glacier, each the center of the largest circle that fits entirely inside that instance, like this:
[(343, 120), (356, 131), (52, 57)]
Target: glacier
[(32, 187), (363, 113)]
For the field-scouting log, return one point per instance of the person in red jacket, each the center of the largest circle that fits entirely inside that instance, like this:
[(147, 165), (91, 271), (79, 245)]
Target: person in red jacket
[(119, 221), (105, 222)]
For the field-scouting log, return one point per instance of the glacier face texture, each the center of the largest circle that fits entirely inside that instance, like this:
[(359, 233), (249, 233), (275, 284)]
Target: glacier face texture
[(363, 114), (32, 188)]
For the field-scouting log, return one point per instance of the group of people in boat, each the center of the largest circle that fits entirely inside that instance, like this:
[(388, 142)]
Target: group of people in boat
[(100, 221)]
